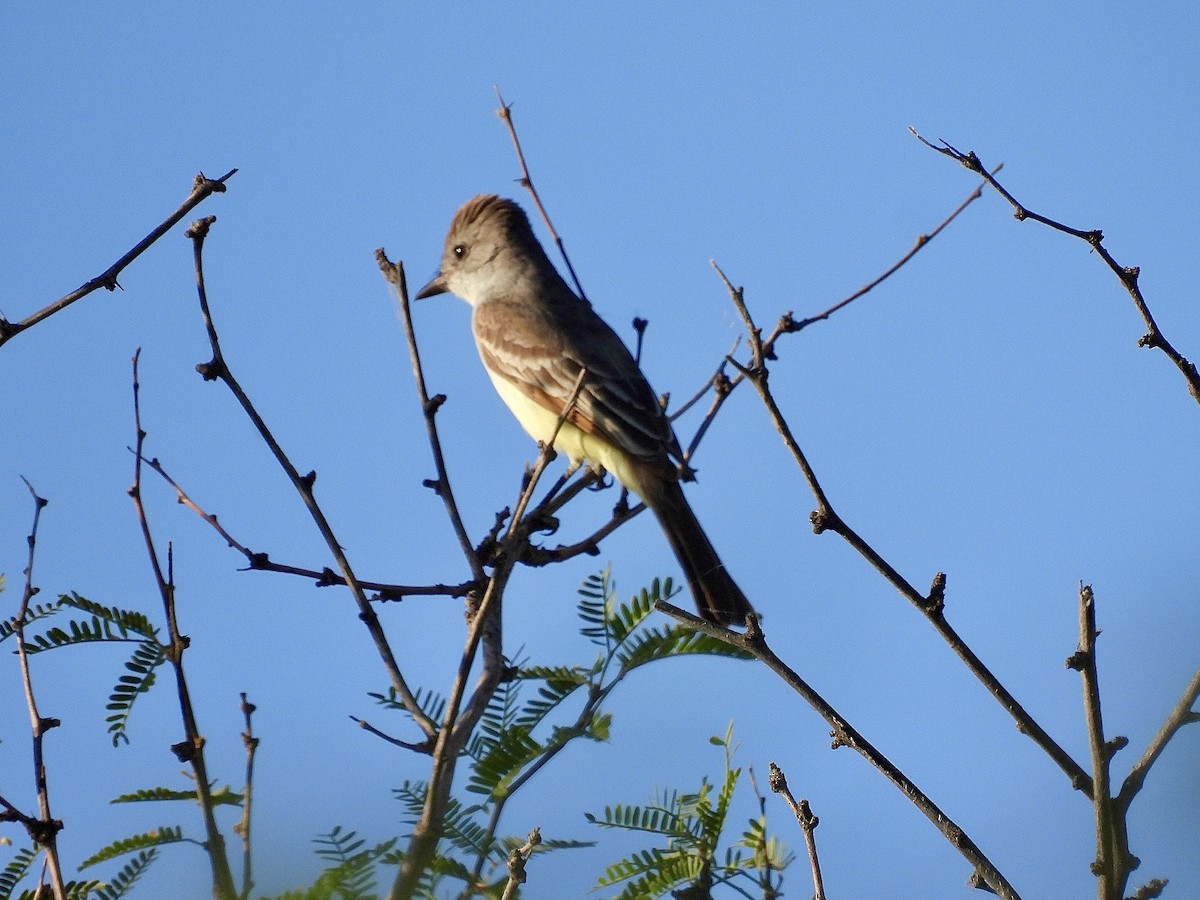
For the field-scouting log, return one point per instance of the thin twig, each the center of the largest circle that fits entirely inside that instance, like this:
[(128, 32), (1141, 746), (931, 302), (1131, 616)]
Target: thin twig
[(808, 824), (516, 864), (922, 240), (825, 518), (1184, 713), (261, 562), (202, 188), (45, 828), (394, 273), (217, 368), (1094, 238), (526, 180), (845, 735), (394, 741), (789, 324), (242, 828), (191, 749)]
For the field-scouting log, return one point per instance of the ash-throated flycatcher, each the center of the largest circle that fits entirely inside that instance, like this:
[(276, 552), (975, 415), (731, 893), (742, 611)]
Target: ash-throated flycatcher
[(535, 336)]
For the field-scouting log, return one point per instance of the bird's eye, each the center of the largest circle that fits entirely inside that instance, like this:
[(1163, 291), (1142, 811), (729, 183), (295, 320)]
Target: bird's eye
[(460, 250)]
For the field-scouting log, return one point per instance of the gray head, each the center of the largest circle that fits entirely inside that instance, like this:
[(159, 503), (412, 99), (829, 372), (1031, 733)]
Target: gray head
[(490, 250)]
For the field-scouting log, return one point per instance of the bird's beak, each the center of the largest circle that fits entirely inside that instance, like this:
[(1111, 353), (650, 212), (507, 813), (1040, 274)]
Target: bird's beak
[(436, 286)]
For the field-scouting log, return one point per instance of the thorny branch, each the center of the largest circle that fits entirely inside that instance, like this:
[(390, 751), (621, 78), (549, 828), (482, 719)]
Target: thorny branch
[(845, 735), (217, 368), (261, 562), (932, 606), (202, 188), (45, 828), (191, 749), (1128, 275)]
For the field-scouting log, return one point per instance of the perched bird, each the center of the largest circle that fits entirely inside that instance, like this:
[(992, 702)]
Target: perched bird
[(535, 336)]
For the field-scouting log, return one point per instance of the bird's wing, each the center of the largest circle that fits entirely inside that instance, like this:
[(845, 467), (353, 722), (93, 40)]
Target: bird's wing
[(541, 351)]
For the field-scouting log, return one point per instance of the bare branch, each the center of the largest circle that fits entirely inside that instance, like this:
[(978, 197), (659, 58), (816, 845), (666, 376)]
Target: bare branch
[(825, 518), (845, 735), (808, 824), (217, 368), (505, 113), (1184, 713), (45, 828), (516, 863), (202, 188), (922, 240), (261, 562), (242, 828), (1094, 238), (394, 273), (191, 749), (1109, 851)]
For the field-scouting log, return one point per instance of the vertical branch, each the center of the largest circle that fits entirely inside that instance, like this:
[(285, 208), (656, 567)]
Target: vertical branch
[(808, 824), (44, 830), (394, 273), (516, 864), (242, 828), (191, 749), (457, 728), (1112, 863)]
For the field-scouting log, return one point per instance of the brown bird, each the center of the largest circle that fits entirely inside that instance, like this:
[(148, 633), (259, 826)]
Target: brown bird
[(535, 336)]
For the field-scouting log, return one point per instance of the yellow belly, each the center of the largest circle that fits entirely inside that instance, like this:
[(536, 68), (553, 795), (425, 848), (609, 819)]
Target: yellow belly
[(540, 422)]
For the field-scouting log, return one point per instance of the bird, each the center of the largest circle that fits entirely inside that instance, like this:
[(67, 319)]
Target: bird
[(542, 344)]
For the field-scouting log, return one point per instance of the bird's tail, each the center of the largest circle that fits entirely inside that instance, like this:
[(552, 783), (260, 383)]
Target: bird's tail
[(718, 598)]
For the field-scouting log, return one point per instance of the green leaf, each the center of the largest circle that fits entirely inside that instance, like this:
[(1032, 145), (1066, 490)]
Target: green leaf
[(147, 657), (560, 683), (223, 796), (352, 873), (168, 834), (671, 641), (124, 880), (32, 614), (17, 867), (431, 703)]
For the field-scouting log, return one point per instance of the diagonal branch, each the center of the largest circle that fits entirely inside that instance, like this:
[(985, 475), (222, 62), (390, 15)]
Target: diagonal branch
[(1128, 275), (825, 518), (505, 113), (845, 735), (1184, 713), (218, 369), (922, 240), (808, 825), (202, 188)]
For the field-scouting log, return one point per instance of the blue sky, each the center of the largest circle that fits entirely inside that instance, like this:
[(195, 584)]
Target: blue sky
[(986, 413)]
